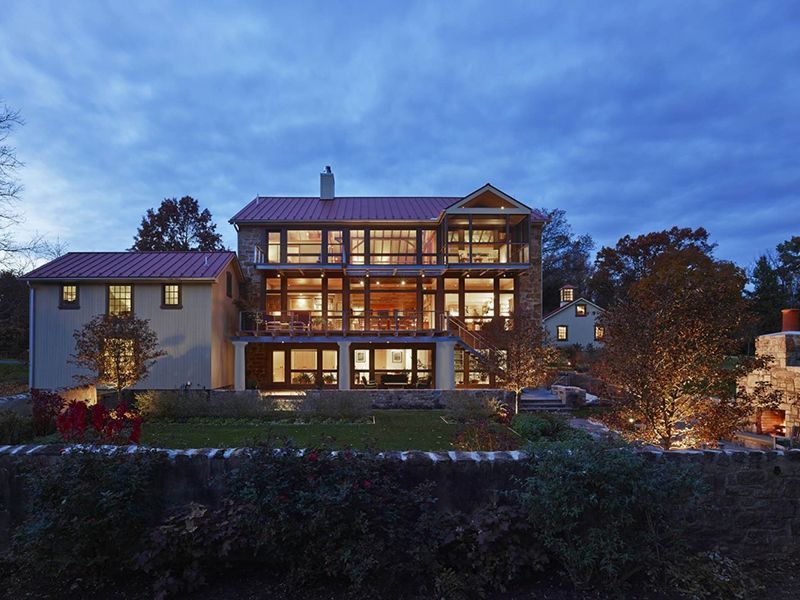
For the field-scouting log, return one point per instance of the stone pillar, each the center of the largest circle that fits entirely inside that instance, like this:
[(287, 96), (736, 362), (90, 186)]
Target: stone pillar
[(344, 365), (445, 365), (239, 382)]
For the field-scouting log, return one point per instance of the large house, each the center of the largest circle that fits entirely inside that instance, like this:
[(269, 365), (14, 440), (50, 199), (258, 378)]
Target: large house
[(338, 292)]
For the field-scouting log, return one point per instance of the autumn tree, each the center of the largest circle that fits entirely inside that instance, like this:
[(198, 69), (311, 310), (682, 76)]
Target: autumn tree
[(670, 338), (116, 350), (566, 258), (520, 357), (617, 268), (178, 225)]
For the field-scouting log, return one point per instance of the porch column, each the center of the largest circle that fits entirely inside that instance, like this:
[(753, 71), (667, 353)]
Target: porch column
[(344, 365), (238, 366), (445, 365)]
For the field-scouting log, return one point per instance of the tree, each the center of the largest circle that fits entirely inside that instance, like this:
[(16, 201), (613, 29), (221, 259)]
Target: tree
[(789, 268), (116, 350), (768, 296), (13, 315), (565, 258), (521, 356), (669, 341), (616, 269), (177, 225)]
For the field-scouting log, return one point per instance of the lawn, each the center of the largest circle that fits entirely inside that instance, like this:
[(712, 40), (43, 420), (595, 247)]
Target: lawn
[(13, 378), (393, 430)]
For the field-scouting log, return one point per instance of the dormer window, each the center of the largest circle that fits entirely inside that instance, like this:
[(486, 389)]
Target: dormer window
[(580, 310), (68, 297), (567, 294)]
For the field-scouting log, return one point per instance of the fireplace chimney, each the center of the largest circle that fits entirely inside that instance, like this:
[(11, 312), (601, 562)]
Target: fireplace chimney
[(326, 184), (791, 319)]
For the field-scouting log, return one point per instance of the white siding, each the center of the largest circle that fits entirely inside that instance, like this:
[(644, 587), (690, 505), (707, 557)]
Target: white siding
[(224, 324), (185, 334), (580, 330)]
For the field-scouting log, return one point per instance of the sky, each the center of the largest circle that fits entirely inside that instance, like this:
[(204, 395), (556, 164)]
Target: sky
[(630, 116)]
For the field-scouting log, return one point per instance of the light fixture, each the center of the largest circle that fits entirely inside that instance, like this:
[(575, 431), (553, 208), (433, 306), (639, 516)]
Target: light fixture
[(403, 282), (361, 282)]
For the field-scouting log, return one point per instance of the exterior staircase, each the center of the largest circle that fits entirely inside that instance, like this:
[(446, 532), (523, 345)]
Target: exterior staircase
[(540, 400), (470, 341)]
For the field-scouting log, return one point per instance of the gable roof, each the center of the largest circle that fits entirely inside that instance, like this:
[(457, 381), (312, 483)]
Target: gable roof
[(135, 265), (552, 313), (312, 209), (343, 208)]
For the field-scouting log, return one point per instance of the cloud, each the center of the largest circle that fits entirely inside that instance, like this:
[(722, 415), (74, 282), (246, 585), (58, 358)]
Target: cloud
[(632, 118)]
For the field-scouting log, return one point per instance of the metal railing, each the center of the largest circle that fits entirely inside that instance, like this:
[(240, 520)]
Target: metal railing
[(310, 322)]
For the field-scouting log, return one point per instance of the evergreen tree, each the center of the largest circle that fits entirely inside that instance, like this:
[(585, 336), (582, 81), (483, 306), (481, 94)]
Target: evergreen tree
[(768, 296)]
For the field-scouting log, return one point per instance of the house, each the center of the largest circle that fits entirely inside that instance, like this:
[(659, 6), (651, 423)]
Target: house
[(358, 292), (338, 292), (575, 321), (188, 297)]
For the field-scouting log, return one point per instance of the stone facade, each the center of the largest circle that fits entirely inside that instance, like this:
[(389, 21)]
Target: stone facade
[(249, 237), (784, 372), (530, 282), (755, 494)]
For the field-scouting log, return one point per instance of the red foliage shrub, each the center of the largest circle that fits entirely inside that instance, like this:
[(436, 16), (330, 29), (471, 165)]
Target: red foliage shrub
[(46, 408), (96, 424)]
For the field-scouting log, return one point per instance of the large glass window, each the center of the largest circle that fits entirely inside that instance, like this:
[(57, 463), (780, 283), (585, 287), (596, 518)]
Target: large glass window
[(304, 301), (357, 247), (278, 366), (330, 367), (393, 246), (303, 246), (429, 247), (335, 247), (273, 252), (304, 366), (120, 299)]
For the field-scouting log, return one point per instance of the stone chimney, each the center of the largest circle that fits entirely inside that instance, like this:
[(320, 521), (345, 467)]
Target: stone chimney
[(326, 185), (791, 319)]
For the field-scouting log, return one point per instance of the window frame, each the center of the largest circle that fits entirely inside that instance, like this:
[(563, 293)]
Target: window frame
[(602, 330), (558, 333), (108, 297), (585, 310), (75, 304), (164, 304)]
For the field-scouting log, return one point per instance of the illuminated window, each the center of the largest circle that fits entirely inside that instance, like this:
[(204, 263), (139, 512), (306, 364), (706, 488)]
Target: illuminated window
[(304, 246), (69, 296), (567, 294), (599, 332), (335, 247), (120, 299), (580, 310), (561, 333), (171, 295)]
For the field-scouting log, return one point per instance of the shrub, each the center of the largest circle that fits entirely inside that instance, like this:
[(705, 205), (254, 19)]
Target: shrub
[(471, 408), (546, 427), (46, 407), (345, 518), (15, 428), (80, 423), (485, 436), (346, 406), (88, 512), (175, 404), (603, 514)]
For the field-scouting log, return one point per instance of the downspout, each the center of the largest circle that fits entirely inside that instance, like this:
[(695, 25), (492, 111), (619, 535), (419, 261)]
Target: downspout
[(31, 331)]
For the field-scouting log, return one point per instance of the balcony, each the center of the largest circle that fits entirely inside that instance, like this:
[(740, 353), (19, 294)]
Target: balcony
[(307, 323)]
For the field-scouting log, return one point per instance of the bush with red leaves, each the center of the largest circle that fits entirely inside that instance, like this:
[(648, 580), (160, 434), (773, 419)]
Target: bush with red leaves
[(95, 424), (46, 407)]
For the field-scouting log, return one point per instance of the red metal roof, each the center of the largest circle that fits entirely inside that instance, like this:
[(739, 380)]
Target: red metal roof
[(344, 208), (134, 265)]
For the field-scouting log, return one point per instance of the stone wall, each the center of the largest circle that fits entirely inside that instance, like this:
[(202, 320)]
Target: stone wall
[(755, 494), (393, 398), (784, 372), (248, 238), (530, 282)]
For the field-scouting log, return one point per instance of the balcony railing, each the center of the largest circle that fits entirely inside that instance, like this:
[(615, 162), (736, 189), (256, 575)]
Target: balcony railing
[(314, 322)]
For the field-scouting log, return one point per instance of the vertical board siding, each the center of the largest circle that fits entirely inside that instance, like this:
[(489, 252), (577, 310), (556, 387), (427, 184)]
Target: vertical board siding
[(224, 324), (185, 334)]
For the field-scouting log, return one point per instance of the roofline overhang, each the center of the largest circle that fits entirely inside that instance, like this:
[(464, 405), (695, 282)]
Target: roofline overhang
[(566, 306)]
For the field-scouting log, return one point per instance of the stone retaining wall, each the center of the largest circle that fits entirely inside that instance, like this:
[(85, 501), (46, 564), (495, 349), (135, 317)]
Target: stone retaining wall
[(756, 493), (412, 398)]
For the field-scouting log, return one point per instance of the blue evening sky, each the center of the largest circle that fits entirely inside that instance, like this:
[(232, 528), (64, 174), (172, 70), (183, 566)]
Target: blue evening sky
[(631, 116)]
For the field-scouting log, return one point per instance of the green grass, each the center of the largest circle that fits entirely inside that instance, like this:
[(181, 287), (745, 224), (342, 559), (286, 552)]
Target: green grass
[(393, 430), (13, 378)]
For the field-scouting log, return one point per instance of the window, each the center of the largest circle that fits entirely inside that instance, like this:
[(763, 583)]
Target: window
[(278, 366), (561, 333), (599, 332), (335, 247), (273, 246), (580, 310), (393, 246), (229, 284), (567, 294), (304, 246), (357, 246), (120, 299), (429, 247), (171, 295), (69, 296)]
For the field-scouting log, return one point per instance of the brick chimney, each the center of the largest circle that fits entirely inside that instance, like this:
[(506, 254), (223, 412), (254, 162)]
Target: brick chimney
[(326, 185), (791, 319)]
